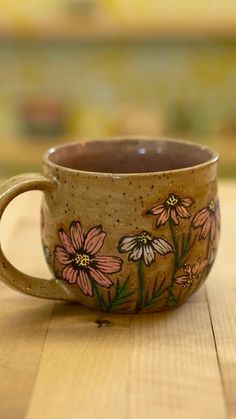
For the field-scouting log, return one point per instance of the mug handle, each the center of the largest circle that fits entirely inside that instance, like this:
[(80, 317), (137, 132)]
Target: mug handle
[(37, 287)]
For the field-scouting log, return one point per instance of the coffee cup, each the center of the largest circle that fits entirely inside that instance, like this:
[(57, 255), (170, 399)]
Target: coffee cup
[(128, 225)]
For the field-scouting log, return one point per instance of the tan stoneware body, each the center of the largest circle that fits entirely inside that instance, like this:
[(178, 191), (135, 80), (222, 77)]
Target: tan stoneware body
[(123, 242)]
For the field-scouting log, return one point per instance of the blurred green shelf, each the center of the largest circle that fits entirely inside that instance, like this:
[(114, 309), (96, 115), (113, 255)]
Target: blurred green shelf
[(20, 155), (95, 30), (25, 153)]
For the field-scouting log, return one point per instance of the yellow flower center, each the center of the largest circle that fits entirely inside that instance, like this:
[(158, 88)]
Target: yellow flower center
[(145, 237), (212, 205), (172, 201), (82, 260)]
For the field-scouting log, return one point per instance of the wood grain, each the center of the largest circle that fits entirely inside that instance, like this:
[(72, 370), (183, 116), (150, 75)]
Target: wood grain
[(24, 324), (174, 365), (23, 320), (56, 361), (221, 290)]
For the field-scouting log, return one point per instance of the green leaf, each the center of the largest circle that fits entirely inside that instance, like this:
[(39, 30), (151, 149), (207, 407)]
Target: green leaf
[(157, 291), (121, 296), (186, 245), (104, 305)]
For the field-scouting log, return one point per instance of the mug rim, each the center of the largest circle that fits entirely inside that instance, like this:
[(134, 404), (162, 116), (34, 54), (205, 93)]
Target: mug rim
[(213, 159)]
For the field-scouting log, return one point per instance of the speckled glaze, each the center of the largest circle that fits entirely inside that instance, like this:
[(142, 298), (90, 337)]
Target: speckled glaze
[(174, 213)]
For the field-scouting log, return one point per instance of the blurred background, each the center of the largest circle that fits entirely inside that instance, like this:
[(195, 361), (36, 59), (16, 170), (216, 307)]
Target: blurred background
[(72, 69)]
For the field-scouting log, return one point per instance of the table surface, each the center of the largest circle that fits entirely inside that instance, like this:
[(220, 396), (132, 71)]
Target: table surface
[(55, 361)]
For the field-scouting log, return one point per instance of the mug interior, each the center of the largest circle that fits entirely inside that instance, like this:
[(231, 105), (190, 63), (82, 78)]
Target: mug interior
[(130, 156)]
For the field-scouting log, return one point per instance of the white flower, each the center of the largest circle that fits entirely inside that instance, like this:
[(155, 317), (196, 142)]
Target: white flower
[(144, 246)]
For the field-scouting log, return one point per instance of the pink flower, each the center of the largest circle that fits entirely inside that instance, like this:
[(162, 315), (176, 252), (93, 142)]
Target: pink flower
[(208, 219), (192, 273), (173, 208), (82, 264), (143, 246)]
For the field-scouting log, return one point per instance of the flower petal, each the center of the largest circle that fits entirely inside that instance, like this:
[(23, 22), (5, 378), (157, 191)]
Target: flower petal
[(203, 264), (182, 212), (184, 281), (206, 228), (62, 256), (66, 242), (108, 264), (70, 274), (186, 202), (136, 252), (148, 254), (156, 209), (213, 227), (217, 215), (163, 217), (199, 266), (84, 283), (94, 239), (127, 243), (100, 278), (201, 217), (173, 215), (196, 266), (76, 234), (161, 246), (188, 270)]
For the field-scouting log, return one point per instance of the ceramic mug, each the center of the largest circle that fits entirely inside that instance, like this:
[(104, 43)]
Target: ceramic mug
[(128, 225)]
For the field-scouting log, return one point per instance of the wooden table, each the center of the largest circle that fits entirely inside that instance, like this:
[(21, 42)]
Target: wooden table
[(55, 362)]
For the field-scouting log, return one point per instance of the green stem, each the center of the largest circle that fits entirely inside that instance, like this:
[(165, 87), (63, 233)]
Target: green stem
[(140, 266), (174, 238), (176, 261), (187, 246), (176, 250), (99, 298)]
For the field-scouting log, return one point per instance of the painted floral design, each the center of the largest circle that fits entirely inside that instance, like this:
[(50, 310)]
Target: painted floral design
[(208, 219), (172, 208), (144, 246), (191, 273), (83, 265), (142, 249)]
